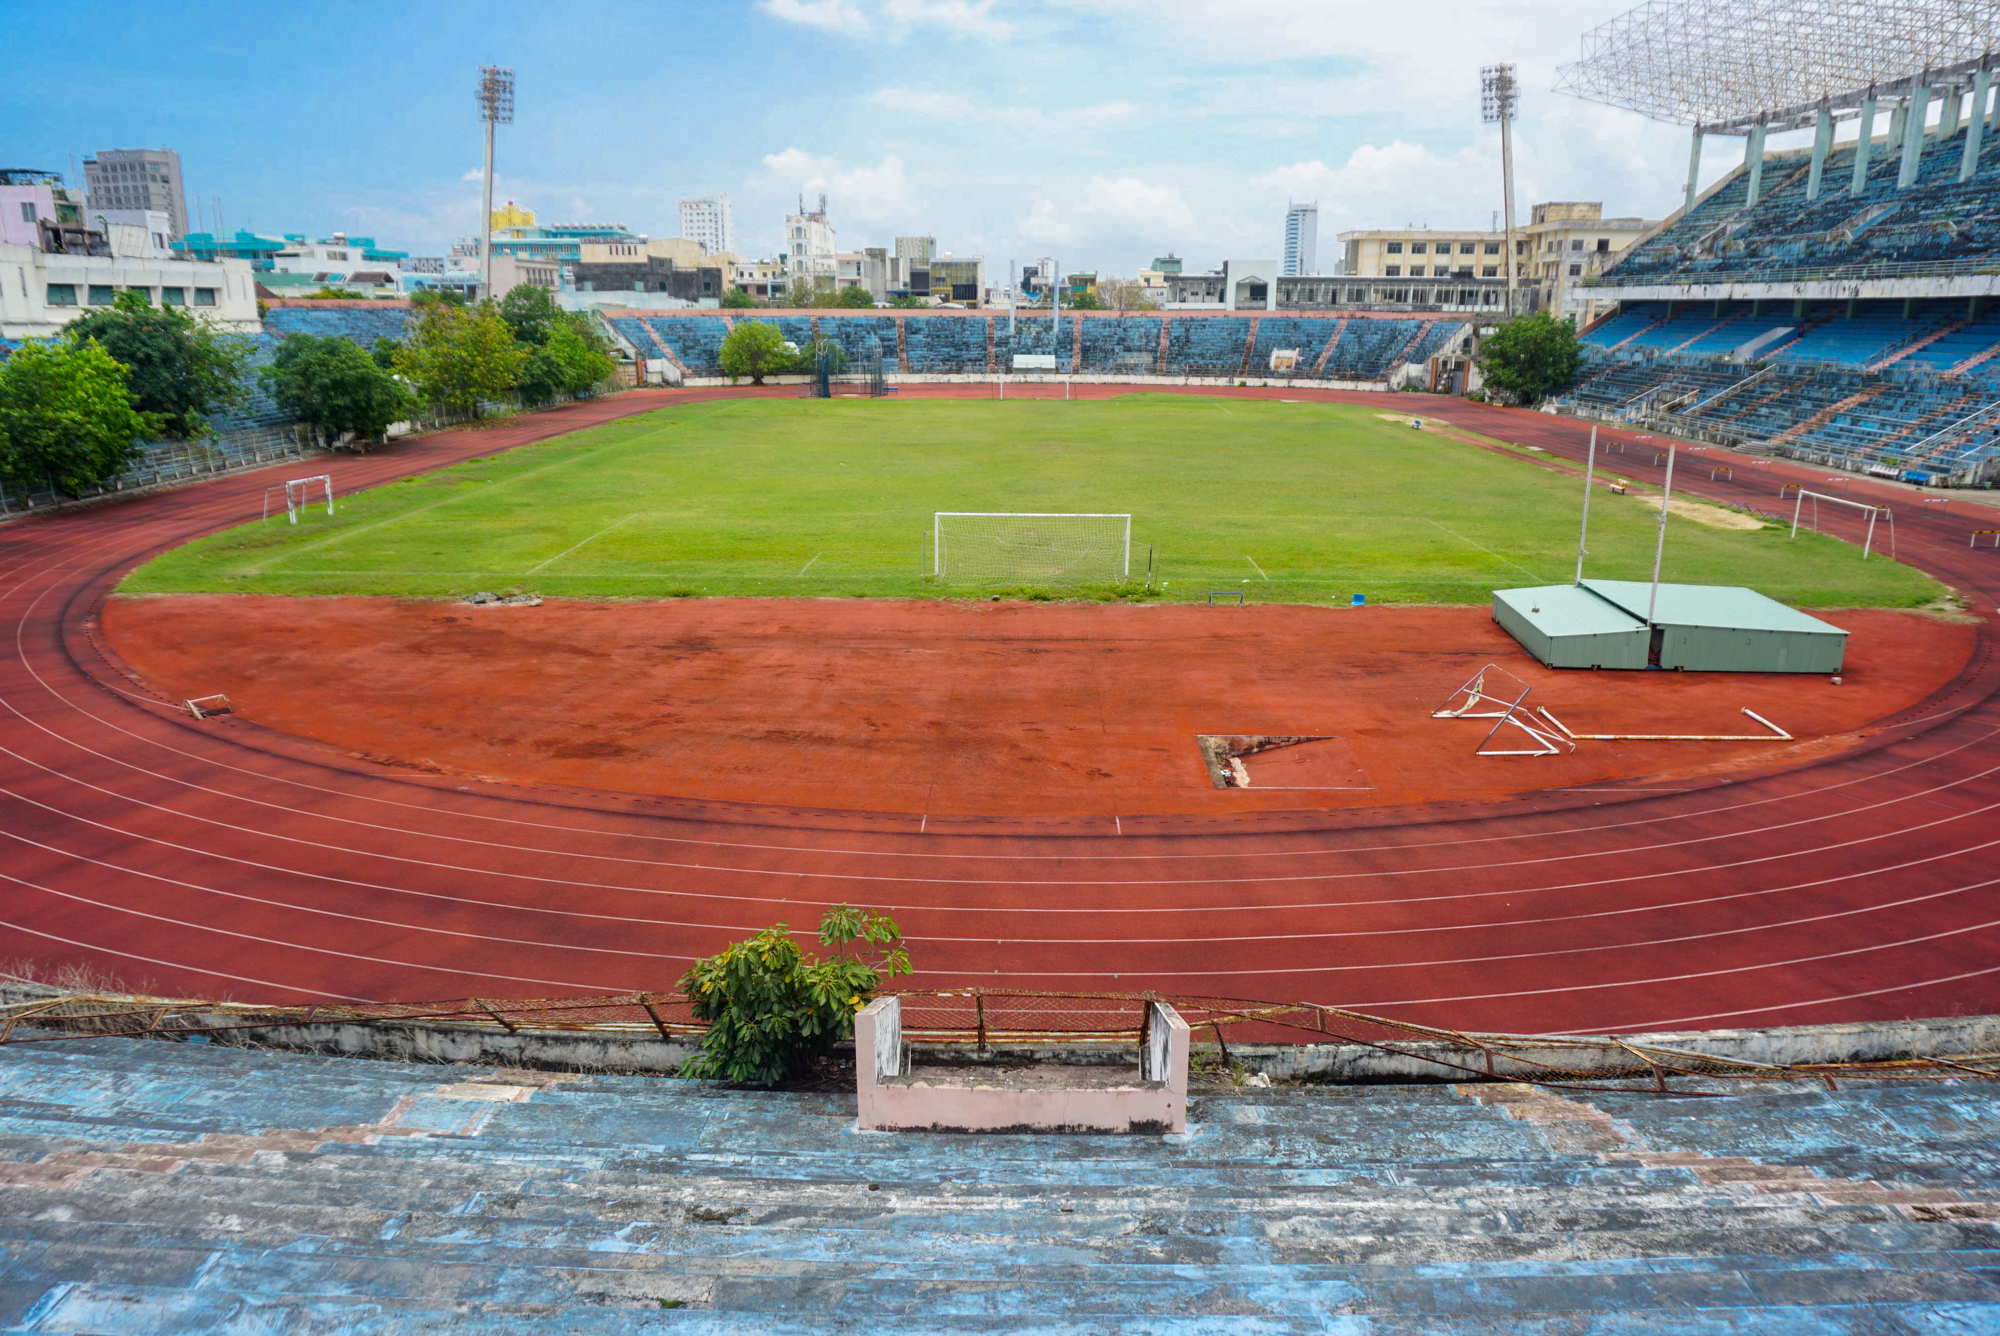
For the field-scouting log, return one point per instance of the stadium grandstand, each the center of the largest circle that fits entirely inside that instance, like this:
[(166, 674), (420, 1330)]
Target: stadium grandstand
[(1832, 302)]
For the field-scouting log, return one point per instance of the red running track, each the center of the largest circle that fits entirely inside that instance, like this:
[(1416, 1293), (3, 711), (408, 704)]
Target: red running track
[(192, 858)]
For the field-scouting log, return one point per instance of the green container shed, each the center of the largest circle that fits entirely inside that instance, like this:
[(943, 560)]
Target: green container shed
[(1728, 629), (1570, 627)]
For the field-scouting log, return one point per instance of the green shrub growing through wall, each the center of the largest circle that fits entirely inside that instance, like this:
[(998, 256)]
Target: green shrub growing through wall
[(772, 1009)]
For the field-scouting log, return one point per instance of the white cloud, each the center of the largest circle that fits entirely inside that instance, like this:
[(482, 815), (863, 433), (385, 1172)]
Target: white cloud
[(966, 18), (917, 102), (960, 18), (954, 106), (832, 15), (1128, 199), (868, 194), (1043, 227), (474, 174)]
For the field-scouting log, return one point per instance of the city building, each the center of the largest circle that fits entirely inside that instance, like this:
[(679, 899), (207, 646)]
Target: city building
[(1239, 285), (710, 222), (511, 214), (153, 228), (260, 251), (955, 279), (1568, 246), (138, 178), (1036, 278), (867, 268), (809, 249), (35, 208), (41, 290), (562, 243), (916, 250), (1167, 264), (644, 281), (762, 279), (1423, 253), (335, 258), (1301, 239)]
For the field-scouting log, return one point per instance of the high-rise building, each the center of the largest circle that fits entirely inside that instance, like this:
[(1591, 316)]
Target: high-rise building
[(1301, 239), (710, 222), (138, 178), (809, 249), (916, 250)]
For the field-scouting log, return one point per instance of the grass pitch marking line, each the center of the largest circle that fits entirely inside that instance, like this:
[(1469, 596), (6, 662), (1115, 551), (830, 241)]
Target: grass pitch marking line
[(1487, 550), (593, 538), (1254, 566), (809, 565)]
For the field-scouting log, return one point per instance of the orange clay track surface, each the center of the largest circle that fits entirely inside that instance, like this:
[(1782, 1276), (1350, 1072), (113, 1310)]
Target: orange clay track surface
[(400, 812), (977, 709)]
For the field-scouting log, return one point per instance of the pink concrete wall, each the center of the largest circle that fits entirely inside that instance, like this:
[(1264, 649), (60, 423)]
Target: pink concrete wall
[(17, 230)]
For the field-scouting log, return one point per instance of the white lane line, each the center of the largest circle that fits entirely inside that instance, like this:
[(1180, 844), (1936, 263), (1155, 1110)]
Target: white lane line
[(809, 565), (1487, 550), (1254, 566), (586, 542)]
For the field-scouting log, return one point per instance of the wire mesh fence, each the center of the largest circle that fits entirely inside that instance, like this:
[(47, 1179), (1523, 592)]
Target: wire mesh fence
[(983, 1019)]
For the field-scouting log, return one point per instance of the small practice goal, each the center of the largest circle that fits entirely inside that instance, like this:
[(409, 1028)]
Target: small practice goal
[(999, 547), (299, 493)]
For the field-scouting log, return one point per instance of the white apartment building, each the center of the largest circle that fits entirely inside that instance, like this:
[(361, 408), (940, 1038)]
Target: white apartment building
[(809, 250), (1301, 240), (137, 178), (42, 292), (147, 232), (710, 222)]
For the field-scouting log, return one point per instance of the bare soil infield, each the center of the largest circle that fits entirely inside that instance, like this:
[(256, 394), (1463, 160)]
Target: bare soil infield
[(1009, 709)]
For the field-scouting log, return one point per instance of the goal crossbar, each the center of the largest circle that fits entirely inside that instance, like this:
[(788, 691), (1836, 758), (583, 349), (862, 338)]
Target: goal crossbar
[(1031, 546)]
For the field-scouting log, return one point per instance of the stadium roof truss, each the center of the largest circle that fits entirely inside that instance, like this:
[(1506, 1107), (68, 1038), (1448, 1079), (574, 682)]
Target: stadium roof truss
[(1724, 66)]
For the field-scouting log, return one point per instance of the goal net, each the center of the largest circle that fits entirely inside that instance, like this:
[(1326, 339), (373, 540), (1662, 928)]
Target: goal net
[(981, 547)]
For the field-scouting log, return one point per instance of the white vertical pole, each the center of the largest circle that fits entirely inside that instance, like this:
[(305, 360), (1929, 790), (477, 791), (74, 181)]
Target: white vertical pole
[(937, 546), (1589, 470), (1797, 506), (1873, 515), (486, 217), (1660, 547)]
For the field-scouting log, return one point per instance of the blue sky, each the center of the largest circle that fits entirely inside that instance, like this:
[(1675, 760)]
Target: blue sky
[(1103, 133)]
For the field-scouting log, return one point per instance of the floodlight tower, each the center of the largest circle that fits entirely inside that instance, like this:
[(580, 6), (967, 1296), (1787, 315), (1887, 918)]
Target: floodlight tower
[(1499, 95), (496, 107)]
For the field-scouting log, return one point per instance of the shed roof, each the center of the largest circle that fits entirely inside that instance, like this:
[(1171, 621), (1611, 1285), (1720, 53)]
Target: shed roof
[(1729, 606), (1565, 610)]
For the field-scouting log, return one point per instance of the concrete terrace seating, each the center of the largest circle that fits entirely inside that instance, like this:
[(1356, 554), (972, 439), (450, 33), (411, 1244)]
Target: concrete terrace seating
[(1128, 344), (696, 340), (154, 1187), (1207, 345), (363, 325), (1935, 219), (1307, 333), (950, 344)]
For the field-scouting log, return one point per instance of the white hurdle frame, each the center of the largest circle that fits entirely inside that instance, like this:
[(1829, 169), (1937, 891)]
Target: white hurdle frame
[(1874, 513), (938, 517)]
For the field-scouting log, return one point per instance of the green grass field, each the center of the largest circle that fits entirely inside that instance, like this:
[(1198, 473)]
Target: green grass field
[(815, 498)]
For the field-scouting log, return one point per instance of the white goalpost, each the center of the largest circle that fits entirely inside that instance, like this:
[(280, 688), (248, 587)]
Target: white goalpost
[(299, 494), (1003, 547)]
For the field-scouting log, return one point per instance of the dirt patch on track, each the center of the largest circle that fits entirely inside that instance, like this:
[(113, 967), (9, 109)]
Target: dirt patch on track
[(971, 709)]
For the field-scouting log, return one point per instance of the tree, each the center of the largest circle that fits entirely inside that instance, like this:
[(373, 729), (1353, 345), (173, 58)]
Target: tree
[(772, 1009), (817, 293), (755, 349), (736, 299), (1123, 294), (567, 364), (906, 302), (457, 356), (384, 352), (531, 313), (182, 369), (67, 420), (855, 298), (1081, 299), (336, 386), (1531, 357)]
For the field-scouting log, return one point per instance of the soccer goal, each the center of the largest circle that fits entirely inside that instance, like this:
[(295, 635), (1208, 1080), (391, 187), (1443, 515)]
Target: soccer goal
[(299, 494), (995, 547)]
